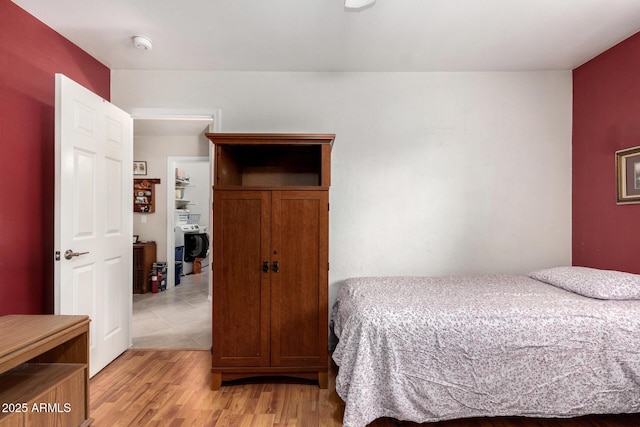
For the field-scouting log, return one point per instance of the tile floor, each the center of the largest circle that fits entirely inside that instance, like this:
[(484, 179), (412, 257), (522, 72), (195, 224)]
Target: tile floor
[(178, 318)]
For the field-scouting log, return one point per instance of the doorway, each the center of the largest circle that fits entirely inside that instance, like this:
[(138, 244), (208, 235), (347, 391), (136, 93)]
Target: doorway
[(180, 315)]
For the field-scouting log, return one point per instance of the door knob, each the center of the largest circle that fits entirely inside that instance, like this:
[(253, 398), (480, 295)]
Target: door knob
[(68, 254)]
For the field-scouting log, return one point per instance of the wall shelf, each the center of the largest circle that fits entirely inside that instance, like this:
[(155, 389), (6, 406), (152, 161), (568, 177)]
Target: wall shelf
[(144, 195)]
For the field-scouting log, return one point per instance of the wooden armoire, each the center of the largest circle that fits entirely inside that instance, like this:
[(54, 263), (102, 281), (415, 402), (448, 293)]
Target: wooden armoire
[(270, 256)]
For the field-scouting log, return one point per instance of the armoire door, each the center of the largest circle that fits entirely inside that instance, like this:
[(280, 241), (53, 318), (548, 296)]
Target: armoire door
[(299, 246), (241, 289)]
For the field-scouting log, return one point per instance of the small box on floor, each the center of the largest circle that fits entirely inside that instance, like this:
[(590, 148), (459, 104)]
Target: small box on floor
[(197, 266)]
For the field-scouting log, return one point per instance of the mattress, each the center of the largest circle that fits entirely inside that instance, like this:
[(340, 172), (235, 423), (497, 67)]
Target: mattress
[(426, 349)]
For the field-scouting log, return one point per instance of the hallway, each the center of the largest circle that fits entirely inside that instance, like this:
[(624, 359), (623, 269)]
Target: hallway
[(178, 318)]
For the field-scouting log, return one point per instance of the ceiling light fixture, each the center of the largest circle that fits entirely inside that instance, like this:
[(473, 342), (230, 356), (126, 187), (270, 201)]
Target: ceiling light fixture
[(358, 4), (142, 42)]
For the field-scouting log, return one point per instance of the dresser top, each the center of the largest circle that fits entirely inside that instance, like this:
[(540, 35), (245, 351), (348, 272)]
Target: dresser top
[(21, 330)]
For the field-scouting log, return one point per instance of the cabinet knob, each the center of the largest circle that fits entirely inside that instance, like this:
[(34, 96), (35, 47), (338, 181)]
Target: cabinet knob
[(265, 266), (275, 267)]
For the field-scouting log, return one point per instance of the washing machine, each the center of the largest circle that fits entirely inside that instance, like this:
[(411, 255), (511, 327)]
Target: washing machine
[(194, 243)]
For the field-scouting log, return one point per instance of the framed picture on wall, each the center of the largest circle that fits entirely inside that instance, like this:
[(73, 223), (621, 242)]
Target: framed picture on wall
[(139, 168), (628, 175)]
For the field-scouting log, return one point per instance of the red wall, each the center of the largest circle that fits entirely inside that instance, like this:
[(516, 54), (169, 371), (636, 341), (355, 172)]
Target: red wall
[(606, 118), (30, 54)]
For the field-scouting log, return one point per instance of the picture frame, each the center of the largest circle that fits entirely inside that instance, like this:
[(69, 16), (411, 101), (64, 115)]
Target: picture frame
[(136, 238), (139, 168), (628, 176)]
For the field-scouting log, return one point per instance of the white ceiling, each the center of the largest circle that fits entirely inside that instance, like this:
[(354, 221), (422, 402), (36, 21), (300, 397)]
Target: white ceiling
[(320, 35)]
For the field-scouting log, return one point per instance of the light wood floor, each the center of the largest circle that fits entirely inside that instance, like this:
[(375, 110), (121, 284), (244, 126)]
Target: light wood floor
[(171, 388)]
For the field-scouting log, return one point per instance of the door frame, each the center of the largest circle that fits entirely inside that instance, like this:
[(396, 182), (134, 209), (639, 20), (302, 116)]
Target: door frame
[(214, 116), (171, 186)]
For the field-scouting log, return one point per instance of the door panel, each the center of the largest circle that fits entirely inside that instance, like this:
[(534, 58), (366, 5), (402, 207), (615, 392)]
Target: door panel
[(299, 288), (82, 297), (114, 210), (112, 324), (84, 213), (242, 223), (93, 217)]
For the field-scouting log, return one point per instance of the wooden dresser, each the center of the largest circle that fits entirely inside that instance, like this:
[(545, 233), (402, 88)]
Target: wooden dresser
[(144, 255), (44, 370), (270, 256)]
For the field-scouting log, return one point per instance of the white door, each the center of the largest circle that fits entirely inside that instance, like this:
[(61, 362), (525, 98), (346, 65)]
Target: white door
[(93, 217)]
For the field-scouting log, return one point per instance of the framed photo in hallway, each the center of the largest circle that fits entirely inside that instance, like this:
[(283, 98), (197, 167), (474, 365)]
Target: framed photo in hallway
[(139, 168)]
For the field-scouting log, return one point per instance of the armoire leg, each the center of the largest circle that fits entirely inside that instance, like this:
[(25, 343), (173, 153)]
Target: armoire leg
[(216, 380)]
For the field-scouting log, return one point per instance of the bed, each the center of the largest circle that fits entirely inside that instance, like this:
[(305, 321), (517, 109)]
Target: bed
[(560, 342)]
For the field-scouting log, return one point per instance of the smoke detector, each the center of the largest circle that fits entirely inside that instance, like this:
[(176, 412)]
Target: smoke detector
[(142, 42)]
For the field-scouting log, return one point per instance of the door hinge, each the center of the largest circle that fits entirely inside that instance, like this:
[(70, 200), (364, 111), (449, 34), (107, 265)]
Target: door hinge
[(57, 255)]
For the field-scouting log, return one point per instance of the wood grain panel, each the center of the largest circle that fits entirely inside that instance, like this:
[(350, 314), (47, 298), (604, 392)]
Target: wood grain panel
[(242, 223), (62, 404), (298, 289), (44, 359)]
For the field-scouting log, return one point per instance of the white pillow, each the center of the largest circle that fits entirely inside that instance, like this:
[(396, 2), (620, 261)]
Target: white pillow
[(591, 282)]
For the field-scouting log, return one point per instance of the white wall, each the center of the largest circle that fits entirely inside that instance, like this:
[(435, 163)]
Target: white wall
[(432, 173)]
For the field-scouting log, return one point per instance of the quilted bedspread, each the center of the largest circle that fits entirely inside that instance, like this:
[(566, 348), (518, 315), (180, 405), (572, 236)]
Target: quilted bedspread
[(429, 349)]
